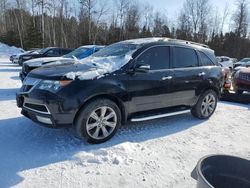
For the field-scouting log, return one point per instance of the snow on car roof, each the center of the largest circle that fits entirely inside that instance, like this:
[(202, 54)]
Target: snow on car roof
[(92, 46), (145, 40)]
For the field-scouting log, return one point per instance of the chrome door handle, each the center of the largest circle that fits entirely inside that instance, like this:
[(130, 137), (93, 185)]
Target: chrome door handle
[(167, 78), (202, 74)]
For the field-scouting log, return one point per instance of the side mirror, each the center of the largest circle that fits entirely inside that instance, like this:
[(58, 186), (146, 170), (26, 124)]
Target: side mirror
[(142, 68)]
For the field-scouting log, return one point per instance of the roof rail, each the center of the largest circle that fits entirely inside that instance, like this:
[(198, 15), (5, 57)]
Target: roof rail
[(187, 42)]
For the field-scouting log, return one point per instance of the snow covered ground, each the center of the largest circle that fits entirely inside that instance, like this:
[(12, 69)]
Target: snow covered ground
[(6, 50), (159, 153)]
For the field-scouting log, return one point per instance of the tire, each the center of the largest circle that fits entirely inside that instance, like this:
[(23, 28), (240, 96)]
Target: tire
[(90, 121), (206, 105)]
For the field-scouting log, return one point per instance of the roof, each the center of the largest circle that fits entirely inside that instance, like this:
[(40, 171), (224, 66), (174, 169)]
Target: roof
[(162, 39)]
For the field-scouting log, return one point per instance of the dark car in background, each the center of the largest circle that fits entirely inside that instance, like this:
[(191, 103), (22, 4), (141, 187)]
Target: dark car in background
[(135, 80), (78, 54), (241, 80), (242, 62), (46, 52)]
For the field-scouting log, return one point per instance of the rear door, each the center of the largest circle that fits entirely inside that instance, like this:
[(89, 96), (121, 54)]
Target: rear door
[(188, 76), (151, 90)]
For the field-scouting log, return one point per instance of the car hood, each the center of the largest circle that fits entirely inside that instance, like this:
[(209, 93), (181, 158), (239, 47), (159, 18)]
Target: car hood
[(245, 70), (58, 71), (41, 61), (87, 69)]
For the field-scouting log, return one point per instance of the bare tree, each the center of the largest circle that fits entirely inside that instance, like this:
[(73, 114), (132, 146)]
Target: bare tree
[(132, 21), (44, 5), (224, 16), (197, 11), (148, 11), (3, 22), (89, 6), (240, 18), (122, 6), (99, 14)]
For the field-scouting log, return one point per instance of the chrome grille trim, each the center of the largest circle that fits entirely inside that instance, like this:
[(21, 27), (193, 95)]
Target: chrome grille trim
[(47, 113), (244, 76)]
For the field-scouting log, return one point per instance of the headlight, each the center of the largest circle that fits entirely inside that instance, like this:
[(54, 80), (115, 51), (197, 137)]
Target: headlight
[(53, 85)]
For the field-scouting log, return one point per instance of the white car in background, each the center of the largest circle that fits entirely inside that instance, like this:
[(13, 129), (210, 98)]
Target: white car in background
[(226, 62)]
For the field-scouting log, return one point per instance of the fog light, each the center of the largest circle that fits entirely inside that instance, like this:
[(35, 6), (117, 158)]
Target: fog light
[(44, 120)]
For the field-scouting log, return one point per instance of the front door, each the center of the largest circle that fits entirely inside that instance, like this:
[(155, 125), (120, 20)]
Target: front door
[(150, 90)]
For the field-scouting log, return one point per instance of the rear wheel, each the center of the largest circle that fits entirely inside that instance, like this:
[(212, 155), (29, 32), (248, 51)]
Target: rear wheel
[(98, 121), (206, 105)]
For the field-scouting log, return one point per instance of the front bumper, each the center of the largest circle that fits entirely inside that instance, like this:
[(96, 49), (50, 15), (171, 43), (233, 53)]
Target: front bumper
[(45, 109)]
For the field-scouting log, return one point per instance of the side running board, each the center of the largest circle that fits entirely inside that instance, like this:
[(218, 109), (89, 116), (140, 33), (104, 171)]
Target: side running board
[(159, 116)]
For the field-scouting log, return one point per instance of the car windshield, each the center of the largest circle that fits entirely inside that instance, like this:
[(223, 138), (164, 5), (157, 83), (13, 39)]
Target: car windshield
[(118, 49), (77, 53)]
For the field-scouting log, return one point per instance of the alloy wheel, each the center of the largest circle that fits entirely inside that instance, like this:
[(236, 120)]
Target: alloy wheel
[(101, 122), (208, 105)]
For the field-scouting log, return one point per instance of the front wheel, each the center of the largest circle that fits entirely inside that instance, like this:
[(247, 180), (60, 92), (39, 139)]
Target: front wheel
[(205, 105), (98, 121)]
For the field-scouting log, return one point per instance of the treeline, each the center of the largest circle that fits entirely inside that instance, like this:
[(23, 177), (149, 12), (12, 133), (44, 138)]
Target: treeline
[(66, 23)]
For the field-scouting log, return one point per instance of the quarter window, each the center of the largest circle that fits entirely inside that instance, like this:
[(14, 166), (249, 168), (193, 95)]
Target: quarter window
[(185, 57), (205, 61), (157, 57)]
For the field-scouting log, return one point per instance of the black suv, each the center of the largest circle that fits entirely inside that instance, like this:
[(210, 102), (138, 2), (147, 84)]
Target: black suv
[(134, 80), (46, 52)]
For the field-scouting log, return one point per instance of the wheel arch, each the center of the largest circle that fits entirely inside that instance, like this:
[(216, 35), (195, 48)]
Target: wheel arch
[(114, 99)]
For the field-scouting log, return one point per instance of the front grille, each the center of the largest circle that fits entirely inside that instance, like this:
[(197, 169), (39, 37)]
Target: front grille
[(37, 108), (244, 76)]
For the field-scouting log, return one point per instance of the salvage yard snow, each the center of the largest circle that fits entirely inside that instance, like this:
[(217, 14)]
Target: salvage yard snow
[(159, 153), (6, 50)]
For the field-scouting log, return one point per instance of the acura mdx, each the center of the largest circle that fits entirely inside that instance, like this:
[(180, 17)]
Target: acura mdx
[(133, 80)]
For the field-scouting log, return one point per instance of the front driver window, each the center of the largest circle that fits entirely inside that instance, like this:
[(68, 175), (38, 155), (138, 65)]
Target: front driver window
[(157, 57)]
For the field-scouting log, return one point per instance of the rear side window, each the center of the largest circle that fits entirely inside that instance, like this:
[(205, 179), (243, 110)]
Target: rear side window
[(205, 61), (53, 52), (157, 57), (185, 57)]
